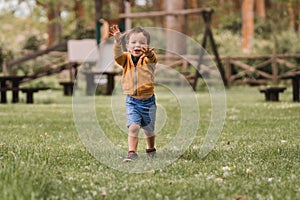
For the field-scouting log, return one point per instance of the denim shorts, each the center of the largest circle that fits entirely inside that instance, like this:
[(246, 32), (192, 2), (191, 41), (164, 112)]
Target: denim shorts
[(141, 112)]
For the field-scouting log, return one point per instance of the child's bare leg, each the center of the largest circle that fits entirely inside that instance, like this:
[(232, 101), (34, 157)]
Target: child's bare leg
[(150, 139), (133, 138)]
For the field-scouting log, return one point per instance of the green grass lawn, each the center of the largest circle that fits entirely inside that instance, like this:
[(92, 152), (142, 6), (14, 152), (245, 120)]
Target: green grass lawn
[(257, 155)]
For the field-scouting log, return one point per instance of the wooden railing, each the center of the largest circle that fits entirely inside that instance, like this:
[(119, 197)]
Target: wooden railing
[(252, 70), (259, 69)]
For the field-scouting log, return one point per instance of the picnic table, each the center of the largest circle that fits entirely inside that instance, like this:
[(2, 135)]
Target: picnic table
[(93, 79), (295, 77), (15, 82), (14, 86)]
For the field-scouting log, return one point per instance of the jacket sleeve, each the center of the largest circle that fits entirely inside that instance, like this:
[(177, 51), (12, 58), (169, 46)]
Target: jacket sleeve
[(152, 58), (119, 56)]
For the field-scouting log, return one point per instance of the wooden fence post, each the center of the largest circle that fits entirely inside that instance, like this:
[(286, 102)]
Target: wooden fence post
[(228, 69), (274, 69)]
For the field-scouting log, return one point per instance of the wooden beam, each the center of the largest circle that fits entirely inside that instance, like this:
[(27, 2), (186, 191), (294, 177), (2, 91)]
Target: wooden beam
[(164, 13), (36, 54), (286, 63), (263, 64)]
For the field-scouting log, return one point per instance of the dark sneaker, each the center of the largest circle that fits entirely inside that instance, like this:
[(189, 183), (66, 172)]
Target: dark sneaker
[(151, 152), (130, 156)]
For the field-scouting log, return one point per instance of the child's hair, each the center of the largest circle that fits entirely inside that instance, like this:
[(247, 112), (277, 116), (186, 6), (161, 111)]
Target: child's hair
[(138, 30)]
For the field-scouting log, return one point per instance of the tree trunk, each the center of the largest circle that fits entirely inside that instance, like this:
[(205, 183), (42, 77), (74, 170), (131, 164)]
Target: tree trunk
[(193, 3), (297, 17), (98, 9), (158, 6), (54, 26), (236, 5), (260, 9), (79, 13), (176, 23), (291, 12), (248, 25)]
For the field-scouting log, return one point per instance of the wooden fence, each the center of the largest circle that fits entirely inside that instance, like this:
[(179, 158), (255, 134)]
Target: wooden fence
[(253, 70), (259, 69)]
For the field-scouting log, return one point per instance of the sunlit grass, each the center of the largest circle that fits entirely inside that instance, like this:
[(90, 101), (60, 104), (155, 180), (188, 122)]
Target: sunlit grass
[(256, 157)]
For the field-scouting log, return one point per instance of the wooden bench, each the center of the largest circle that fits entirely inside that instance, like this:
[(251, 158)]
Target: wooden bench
[(30, 91), (68, 87), (272, 93)]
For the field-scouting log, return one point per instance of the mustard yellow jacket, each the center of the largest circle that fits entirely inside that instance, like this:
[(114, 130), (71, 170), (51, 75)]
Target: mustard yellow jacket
[(136, 80)]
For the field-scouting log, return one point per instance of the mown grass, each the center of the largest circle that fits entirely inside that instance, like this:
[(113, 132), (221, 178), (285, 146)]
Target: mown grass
[(256, 157)]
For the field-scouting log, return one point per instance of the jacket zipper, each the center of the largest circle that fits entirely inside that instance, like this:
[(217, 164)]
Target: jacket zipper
[(135, 82)]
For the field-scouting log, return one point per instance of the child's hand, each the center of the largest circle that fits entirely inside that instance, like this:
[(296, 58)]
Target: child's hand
[(115, 32), (147, 52)]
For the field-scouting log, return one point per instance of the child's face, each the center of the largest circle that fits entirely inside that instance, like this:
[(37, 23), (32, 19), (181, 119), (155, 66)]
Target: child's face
[(136, 42)]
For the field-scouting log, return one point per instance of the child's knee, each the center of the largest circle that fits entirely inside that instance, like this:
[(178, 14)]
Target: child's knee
[(149, 133), (134, 130)]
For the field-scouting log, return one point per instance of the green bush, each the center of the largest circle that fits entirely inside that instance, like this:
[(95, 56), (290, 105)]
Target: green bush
[(32, 43), (51, 82), (287, 42), (231, 23), (228, 43)]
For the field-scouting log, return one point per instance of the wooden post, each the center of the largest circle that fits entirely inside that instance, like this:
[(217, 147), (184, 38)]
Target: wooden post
[(274, 69), (208, 34), (185, 66), (228, 69), (296, 89), (70, 65), (127, 11), (214, 47)]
